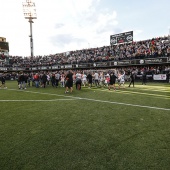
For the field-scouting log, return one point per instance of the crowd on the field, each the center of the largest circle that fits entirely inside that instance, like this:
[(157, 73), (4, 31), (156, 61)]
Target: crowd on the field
[(152, 48), (59, 78), (99, 77)]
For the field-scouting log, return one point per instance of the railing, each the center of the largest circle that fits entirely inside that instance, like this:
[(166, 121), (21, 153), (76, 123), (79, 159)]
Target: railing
[(106, 64)]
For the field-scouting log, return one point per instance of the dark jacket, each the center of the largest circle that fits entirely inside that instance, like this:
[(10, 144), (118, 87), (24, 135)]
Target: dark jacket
[(44, 78)]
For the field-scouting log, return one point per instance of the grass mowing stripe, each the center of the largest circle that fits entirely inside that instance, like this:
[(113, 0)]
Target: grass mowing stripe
[(102, 101), (154, 87), (162, 90), (142, 87), (130, 92), (159, 90)]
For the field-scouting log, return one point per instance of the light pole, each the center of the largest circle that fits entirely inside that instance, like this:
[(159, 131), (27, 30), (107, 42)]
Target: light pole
[(30, 14)]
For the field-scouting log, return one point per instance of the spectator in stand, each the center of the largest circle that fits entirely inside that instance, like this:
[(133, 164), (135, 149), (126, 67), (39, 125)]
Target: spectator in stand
[(156, 47)]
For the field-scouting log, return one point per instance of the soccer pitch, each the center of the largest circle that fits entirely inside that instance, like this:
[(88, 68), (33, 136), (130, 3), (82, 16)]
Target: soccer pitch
[(45, 129)]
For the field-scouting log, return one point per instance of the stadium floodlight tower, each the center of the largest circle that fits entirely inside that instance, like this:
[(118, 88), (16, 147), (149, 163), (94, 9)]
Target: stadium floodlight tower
[(30, 14)]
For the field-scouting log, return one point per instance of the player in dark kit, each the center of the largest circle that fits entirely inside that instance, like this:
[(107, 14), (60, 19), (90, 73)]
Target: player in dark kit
[(112, 81)]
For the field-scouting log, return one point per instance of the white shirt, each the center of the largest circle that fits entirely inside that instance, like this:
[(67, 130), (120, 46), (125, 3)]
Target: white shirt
[(84, 77), (122, 77), (96, 76), (78, 76)]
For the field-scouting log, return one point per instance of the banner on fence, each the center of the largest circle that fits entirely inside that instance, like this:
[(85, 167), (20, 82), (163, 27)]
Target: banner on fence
[(159, 77)]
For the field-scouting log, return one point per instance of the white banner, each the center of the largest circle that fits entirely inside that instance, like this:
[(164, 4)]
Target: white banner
[(159, 77)]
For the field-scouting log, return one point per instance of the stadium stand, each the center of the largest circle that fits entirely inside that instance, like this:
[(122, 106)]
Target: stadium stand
[(153, 48)]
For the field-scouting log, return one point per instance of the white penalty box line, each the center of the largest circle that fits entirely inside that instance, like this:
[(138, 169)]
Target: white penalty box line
[(88, 99)]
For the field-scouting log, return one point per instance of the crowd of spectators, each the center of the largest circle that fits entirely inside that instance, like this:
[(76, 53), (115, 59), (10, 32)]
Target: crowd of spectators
[(152, 48)]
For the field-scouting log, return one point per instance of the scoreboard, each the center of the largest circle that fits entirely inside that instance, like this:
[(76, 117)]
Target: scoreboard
[(4, 46), (121, 38)]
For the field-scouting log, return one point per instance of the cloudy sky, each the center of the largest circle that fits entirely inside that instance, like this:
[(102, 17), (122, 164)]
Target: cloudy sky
[(65, 25)]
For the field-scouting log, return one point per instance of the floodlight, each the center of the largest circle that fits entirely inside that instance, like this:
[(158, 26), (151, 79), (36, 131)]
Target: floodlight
[(29, 11)]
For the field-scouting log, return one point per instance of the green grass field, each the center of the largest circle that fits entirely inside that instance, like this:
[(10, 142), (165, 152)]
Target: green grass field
[(90, 129)]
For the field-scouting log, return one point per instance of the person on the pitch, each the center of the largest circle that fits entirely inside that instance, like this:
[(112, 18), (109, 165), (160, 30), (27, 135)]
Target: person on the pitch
[(3, 82), (112, 81), (89, 79), (122, 79), (78, 81), (44, 80), (69, 82), (144, 77), (132, 78)]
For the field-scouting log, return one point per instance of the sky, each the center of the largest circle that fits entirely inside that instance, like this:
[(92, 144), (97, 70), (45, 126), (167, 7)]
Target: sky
[(68, 25)]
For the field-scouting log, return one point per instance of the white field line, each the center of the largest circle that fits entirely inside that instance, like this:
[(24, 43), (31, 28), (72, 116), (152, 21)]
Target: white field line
[(126, 104), (36, 100), (101, 101)]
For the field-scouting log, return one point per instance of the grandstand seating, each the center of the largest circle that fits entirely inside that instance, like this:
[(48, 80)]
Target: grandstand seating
[(152, 48)]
